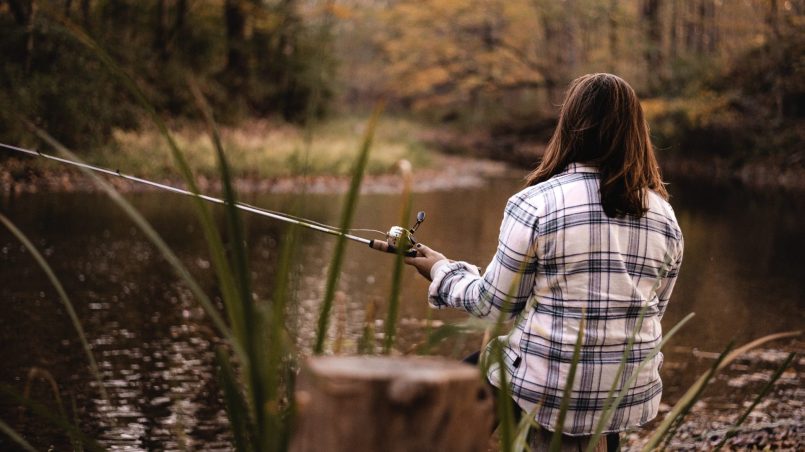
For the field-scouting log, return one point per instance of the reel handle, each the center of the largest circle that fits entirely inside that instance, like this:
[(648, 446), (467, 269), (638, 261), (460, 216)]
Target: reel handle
[(380, 245)]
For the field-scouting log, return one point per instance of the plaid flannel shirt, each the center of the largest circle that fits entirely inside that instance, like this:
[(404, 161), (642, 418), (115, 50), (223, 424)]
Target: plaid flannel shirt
[(559, 258)]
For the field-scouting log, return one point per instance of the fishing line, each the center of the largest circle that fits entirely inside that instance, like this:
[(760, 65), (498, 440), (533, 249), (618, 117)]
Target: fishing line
[(392, 237)]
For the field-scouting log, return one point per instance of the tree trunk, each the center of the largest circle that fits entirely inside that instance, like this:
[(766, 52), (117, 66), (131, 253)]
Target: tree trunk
[(181, 14), (19, 11), (707, 27), (85, 14), (160, 27), (691, 30), (653, 52), (773, 19), (673, 33), (236, 57), (613, 34), (392, 405), (29, 45)]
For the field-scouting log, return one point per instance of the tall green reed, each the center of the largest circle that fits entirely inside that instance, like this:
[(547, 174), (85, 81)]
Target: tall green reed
[(259, 416), (231, 270), (397, 273), (556, 438), (505, 403), (36, 373), (222, 266), (347, 213), (56, 419), (681, 410)]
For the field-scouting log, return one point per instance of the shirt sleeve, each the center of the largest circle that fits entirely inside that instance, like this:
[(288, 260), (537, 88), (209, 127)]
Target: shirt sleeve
[(668, 282), (507, 282)]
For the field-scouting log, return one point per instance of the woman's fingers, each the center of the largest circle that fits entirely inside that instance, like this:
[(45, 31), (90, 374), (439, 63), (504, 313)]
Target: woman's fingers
[(429, 253), (424, 250)]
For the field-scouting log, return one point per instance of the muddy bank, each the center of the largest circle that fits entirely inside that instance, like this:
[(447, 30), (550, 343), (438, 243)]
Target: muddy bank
[(445, 173), (777, 422)]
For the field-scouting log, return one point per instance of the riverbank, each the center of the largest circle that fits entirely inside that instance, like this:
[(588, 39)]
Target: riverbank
[(522, 148), (445, 172), (265, 157)]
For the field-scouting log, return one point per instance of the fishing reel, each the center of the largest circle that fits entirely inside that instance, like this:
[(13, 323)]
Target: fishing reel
[(398, 237)]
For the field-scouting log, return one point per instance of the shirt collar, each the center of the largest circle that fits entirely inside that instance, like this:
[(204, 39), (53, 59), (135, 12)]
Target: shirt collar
[(576, 167)]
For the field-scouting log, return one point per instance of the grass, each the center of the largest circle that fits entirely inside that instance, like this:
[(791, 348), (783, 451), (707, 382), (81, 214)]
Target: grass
[(266, 149)]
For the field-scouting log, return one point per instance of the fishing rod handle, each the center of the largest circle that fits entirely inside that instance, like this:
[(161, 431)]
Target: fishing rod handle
[(380, 245)]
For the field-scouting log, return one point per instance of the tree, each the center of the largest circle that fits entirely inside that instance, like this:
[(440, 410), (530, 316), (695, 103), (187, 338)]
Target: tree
[(653, 51)]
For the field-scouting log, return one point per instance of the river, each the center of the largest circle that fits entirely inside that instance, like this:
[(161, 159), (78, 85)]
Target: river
[(742, 276)]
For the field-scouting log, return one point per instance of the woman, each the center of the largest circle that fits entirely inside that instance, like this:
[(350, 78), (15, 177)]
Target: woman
[(592, 236)]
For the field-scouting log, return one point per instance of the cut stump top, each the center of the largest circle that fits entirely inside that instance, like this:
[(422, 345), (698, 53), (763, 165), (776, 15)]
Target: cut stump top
[(412, 368)]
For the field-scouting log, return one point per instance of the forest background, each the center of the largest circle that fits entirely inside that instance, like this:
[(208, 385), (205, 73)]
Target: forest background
[(721, 81)]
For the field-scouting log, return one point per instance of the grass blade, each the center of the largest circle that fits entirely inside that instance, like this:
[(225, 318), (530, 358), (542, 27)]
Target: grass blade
[(664, 427), (240, 267), (527, 424), (556, 438), (277, 427), (42, 374), (241, 308), (607, 414), (152, 235), (505, 404), (609, 404), (78, 446), (68, 305), (236, 408), (223, 271), (680, 415), (763, 392), (47, 414), (347, 213), (366, 344), (11, 433), (397, 274), (627, 352)]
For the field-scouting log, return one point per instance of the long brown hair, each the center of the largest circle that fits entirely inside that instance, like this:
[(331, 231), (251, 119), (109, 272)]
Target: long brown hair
[(601, 123)]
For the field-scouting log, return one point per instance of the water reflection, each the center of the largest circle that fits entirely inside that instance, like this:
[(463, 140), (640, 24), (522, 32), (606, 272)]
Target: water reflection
[(741, 275)]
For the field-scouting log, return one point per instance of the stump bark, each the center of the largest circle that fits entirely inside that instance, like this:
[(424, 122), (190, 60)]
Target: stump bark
[(391, 404)]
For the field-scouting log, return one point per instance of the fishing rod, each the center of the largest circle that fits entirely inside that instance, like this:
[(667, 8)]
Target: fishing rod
[(395, 237)]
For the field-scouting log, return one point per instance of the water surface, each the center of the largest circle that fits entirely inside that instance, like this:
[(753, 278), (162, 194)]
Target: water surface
[(742, 275)]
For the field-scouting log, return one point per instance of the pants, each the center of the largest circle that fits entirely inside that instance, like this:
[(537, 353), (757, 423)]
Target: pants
[(539, 440)]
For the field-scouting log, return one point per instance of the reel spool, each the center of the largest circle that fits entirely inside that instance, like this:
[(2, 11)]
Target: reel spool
[(398, 237)]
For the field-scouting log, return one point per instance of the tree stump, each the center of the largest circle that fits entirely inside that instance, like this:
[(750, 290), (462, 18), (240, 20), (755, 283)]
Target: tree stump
[(351, 403)]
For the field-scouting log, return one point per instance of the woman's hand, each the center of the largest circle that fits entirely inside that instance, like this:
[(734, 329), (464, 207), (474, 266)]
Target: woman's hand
[(425, 260)]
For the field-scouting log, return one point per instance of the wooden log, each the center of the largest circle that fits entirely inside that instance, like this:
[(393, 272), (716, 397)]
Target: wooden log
[(351, 403)]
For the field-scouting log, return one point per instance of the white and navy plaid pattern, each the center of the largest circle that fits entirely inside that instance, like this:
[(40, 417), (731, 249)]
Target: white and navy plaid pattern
[(559, 258)]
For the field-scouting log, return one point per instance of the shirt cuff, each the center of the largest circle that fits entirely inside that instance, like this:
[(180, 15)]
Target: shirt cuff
[(438, 297), (436, 266)]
